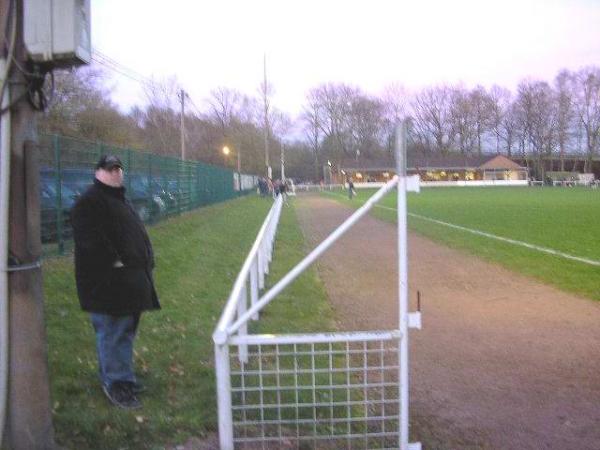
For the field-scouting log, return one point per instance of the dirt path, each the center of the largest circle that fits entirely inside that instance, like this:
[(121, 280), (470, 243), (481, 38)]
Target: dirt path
[(503, 362)]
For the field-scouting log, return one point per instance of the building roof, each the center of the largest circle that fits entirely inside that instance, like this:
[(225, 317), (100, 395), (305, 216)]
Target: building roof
[(450, 161), (500, 162)]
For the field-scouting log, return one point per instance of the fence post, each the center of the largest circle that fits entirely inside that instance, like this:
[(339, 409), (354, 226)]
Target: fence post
[(260, 266), (59, 206), (190, 183), (224, 396), (243, 331), (179, 192), (254, 285)]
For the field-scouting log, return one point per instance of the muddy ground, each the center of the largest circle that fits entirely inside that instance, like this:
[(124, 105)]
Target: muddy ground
[(502, 361)]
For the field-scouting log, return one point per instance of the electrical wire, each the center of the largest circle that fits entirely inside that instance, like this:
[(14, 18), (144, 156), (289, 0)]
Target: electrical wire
[(109, 63)]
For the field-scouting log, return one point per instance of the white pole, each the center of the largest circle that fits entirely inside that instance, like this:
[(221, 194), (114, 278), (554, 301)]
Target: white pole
[(402, 283), (224, 396), (4, 199)]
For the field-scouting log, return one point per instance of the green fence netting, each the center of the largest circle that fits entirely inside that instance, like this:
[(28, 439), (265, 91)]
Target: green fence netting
[(157, 186)]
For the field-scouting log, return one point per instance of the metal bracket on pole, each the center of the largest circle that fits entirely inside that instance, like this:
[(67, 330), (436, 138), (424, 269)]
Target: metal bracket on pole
[(22, 267), (414, 320), (413, 183)]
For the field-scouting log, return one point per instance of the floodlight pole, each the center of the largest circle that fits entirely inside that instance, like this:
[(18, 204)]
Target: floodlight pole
[(266, 107)]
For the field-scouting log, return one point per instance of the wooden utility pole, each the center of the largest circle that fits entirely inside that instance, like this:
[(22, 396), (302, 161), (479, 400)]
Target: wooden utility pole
[(266, 106), (182, 95), (282, 162), (29, 417)]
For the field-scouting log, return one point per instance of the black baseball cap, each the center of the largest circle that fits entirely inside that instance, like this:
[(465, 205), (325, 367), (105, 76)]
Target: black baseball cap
[(108, 162)]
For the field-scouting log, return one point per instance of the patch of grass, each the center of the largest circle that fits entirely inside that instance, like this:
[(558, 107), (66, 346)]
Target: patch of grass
[(560, 219), (198, 257)]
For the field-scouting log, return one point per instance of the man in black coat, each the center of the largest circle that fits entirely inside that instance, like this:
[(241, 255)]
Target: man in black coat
[(113, 271)]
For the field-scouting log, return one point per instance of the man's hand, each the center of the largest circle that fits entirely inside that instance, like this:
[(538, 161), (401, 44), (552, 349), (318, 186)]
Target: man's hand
[(118, 264)]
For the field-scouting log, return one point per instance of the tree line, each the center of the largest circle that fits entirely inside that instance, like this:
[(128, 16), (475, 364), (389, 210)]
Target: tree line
[(339, 122)]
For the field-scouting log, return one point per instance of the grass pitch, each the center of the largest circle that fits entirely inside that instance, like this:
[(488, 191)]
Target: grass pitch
[(561, 219), (198, 256)]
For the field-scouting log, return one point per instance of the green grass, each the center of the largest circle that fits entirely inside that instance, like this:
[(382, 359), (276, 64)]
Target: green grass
[(561, 219), (198, 257)]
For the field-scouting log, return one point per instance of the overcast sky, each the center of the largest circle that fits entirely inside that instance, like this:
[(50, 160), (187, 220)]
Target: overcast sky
[(368, 43)]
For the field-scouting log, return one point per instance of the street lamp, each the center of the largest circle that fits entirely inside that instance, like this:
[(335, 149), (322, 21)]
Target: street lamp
[(227, 151)]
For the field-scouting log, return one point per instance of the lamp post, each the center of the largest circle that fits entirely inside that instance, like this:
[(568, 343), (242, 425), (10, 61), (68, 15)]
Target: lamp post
[(226, 151)]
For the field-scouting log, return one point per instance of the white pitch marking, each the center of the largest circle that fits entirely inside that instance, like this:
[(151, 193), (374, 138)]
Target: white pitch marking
[(550, 251)]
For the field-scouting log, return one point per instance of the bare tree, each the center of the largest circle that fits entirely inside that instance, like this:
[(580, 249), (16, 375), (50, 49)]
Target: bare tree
[(162, 121), (82, 107), (501, 120), (587, 105), (395, 100), (312, 131), (224, 105), (432, 124), (462, 120), (563, 85), (365, 123), (334, 110), (482, 107), (537, 119)]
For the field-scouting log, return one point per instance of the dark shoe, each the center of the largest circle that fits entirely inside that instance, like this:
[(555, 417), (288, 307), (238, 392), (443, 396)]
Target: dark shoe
[(137, 387), (121, 394)]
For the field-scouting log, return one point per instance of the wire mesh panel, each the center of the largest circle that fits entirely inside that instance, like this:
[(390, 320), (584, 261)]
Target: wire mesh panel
[(319, 395)]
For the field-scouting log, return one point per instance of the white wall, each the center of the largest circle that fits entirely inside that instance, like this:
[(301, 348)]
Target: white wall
[(453, 183)]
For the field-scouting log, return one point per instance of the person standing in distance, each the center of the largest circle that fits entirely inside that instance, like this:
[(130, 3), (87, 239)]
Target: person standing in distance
[(113, 272), (351, 190)]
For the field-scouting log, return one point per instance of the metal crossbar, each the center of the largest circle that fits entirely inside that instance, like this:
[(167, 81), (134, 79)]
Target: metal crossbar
[(321, 390)]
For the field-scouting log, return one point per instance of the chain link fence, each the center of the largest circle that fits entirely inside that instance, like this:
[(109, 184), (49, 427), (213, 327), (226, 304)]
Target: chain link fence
[(157, 186)]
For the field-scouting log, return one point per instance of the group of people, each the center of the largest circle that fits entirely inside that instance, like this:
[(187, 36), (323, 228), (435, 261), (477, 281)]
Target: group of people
[(268, 187)]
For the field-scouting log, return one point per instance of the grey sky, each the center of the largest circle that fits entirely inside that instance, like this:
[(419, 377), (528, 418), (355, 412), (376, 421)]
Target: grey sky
[(369, 44)]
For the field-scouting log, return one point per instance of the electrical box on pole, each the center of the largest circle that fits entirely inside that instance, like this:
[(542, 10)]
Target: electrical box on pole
[(58, 32)]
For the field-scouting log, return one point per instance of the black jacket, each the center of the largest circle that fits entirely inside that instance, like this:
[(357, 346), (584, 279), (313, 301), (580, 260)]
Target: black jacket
[(107, 229)]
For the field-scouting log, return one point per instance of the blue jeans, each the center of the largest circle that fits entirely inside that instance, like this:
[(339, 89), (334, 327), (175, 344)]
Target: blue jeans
[(114, 344)]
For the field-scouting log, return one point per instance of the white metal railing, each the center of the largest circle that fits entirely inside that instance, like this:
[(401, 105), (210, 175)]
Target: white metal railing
[(325, 390)]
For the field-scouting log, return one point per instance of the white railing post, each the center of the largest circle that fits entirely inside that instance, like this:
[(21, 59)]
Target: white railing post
[(243, 331), (254, 285), (261, 268), (266, 258), (224, 396)]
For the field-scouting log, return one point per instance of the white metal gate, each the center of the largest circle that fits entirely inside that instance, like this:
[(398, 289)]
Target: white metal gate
[(325, 391)]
